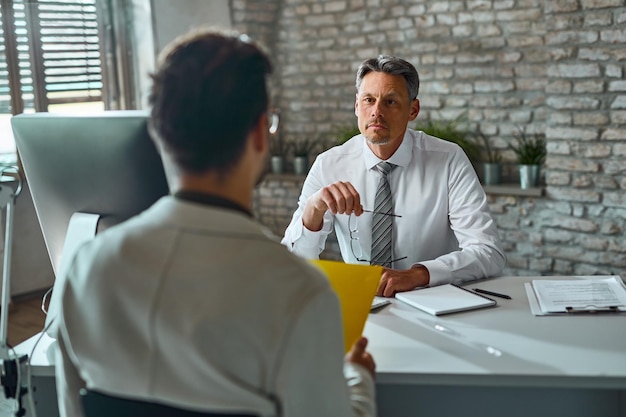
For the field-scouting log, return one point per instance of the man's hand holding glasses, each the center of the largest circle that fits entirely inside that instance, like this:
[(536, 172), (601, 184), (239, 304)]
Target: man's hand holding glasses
[(338, 198), (342, 198)]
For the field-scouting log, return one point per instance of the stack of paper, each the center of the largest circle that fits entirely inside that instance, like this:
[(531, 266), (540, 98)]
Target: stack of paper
[(580, 295)]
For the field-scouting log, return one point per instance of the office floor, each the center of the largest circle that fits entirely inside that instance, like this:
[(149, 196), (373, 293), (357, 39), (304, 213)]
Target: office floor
[(25, 320)]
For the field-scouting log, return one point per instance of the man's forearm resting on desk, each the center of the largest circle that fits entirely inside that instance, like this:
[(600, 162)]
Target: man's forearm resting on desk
[(395, 280)]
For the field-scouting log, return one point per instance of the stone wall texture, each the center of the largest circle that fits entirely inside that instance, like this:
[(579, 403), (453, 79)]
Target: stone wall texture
[(554, 67)]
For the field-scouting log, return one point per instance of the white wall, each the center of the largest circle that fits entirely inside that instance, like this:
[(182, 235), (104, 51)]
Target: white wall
[(30, 264), (158, 22), (173, 18)]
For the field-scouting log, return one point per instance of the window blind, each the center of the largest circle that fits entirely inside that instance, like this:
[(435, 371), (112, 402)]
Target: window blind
[(70, 50), (54, 47)]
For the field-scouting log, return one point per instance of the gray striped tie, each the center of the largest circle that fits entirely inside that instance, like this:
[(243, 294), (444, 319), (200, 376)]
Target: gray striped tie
[(381, 224)]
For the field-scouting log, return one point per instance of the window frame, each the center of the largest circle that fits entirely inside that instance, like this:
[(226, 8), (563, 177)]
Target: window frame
[(115, 45)]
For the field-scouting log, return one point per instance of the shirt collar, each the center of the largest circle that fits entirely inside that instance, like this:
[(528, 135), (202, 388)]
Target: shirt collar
[(210, 200), (401, 157)]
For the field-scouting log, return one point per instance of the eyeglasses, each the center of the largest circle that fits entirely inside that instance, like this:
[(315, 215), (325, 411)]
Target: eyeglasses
[(355, 244), (273, 120)]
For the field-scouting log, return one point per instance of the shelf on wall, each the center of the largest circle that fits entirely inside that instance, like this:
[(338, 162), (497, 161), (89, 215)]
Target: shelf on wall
[(284, 176), (513, 189), (498, 189)]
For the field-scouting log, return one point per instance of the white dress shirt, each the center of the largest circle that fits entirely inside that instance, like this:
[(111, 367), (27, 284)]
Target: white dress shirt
[(198, 307), (446, 224)]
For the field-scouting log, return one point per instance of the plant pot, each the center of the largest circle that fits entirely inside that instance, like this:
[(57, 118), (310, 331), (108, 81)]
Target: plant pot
[(492, 173), (300, 165), (277, 163), (528, 176)]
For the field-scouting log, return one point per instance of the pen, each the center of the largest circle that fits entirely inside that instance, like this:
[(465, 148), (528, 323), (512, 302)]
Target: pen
[(495, 294)]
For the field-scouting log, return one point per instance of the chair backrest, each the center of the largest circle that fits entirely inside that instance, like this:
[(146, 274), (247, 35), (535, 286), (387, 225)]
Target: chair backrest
[(97, 404)]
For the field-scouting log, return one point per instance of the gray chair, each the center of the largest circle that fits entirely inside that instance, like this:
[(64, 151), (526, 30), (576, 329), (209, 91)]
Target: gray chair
[(97, 404)]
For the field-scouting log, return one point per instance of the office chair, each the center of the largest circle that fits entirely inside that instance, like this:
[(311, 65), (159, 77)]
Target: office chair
[(97, 404)]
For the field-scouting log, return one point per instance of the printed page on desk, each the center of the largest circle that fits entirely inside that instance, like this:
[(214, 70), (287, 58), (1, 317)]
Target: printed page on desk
[(355, 286), (445, 299), (580, 295)]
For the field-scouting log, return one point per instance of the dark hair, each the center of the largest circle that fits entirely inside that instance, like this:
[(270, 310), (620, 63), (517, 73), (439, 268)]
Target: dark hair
[(393, 66), (208, 92)]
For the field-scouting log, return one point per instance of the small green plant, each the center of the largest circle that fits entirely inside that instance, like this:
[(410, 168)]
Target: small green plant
[(279, 146), (304, 147), (491, 156), (450, 131), (345, 133), (530, 149)]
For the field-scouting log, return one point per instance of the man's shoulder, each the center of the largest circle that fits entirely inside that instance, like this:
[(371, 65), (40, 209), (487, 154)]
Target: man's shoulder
[(292, 268), (352, 148), (426, 142)]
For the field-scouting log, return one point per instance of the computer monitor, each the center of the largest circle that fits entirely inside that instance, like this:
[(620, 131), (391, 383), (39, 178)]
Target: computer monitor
[(103, 163)]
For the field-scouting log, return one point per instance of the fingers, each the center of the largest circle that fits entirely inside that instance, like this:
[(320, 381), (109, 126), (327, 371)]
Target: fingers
[(394, 280), (341, 198), (357, 208), (358, 355), (338, 198), (381, 287), (360, 345), (386, 285), (357, 350)]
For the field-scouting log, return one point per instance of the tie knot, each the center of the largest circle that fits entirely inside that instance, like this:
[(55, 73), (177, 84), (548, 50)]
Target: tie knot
[(385, 167)]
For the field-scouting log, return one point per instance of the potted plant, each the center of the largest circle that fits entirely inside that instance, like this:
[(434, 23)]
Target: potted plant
[(492, 162), (279, 148), (301, 150), (345, 133), (530, 151), (450, 131)]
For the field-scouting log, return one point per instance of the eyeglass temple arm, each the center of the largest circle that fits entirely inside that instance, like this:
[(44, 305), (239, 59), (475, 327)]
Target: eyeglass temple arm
[(380, 212)]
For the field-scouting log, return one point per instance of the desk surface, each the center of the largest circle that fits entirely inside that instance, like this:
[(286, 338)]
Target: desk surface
[(501, 346)]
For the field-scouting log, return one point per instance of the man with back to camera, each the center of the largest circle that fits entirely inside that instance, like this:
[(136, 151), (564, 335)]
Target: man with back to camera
[(431, 224), (192, 303)]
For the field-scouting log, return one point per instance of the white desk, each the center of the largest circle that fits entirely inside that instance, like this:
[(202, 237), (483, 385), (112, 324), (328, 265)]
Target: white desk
[(501, 361), (43, 383)]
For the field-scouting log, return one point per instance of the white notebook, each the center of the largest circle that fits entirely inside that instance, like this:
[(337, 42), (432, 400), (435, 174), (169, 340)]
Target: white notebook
[(445, 299)]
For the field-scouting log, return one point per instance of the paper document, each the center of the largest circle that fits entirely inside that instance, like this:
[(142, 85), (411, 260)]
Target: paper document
[(567, 296), (355, 286)]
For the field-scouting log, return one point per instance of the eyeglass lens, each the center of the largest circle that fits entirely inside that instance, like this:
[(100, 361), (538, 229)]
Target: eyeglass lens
[(355, 243)]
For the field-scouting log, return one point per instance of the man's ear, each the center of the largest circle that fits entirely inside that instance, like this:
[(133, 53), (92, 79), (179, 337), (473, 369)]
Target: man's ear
[(260, 140), (415, 109), (356, 105)]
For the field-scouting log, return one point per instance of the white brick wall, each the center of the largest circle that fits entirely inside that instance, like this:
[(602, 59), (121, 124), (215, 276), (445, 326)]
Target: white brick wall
[(549, 66)]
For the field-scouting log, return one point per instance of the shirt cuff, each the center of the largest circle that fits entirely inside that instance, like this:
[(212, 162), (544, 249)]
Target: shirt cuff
[(304, 242), (362, 389), (438, 271)]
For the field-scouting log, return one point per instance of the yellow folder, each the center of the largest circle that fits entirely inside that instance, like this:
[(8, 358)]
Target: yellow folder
[(355, 286)]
